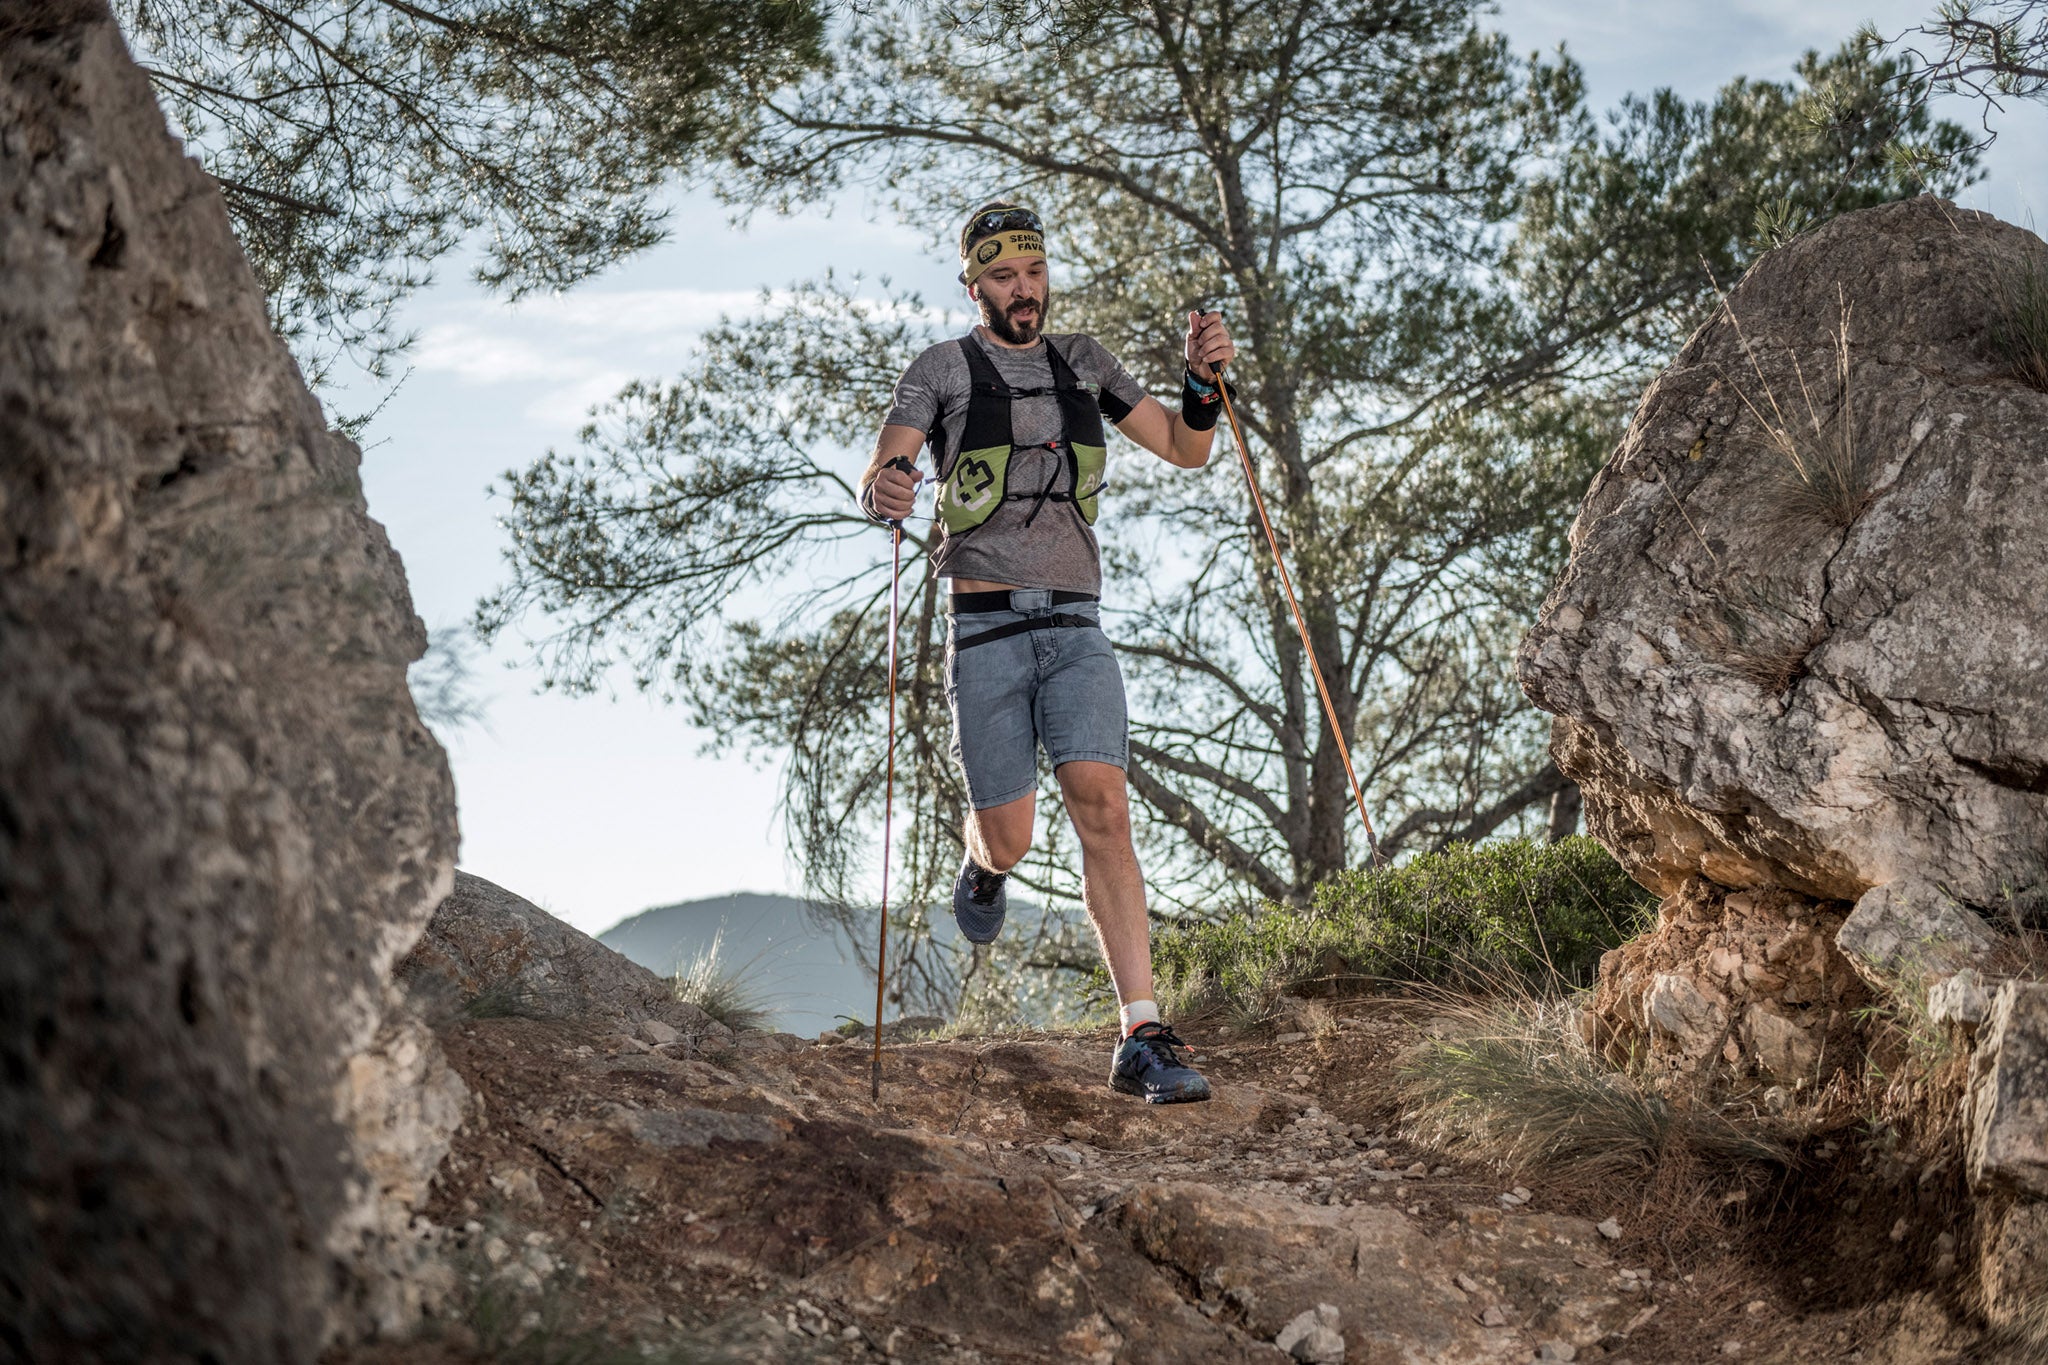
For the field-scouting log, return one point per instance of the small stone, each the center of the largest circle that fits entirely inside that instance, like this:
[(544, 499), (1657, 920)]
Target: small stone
[(658, 1033), (1731, 1348), (1755, 1306), (1557, 1350), (1899, 1230), (1288, 1039), (1467, 1283), (1300, 1080), (1611, 1229), (1522, 1194), (1417, 1171), (495, 1250), (1311, 1336), (1493, 1316)]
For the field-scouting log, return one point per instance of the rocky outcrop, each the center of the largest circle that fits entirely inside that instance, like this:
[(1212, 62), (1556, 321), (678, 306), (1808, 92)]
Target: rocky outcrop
[(220, 817), (487, 950), (1749, 980), (1799, 641)]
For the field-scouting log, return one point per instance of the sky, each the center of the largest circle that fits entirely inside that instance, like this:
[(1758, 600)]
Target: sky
[(596, 808)]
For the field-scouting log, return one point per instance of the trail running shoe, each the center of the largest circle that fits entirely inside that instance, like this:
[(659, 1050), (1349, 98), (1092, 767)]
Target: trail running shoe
[(979, 902), (1146, 1064)]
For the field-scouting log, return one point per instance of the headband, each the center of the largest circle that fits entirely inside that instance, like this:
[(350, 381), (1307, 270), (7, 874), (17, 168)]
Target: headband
[(1003, 246)]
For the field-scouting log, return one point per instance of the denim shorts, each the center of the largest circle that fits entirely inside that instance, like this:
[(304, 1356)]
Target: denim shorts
[(1055, 686)]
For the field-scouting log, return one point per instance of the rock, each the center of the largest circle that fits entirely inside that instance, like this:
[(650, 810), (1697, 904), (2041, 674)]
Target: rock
[(672, 1128), (222, 818), (1961, 999), (1763, 691), (2008, 1104), (1394, 1289), (1610, 1229), (1557, 1350), (1312, 1336), (518, 1186), (487, 951), (1794, 998), (1691, 1022), (405, 1103), (1911, 927), (659, 1033), (2014, 1269), (1288, 1039)]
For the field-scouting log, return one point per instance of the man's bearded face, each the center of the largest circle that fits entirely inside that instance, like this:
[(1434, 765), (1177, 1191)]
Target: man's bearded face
[(1015, 309)]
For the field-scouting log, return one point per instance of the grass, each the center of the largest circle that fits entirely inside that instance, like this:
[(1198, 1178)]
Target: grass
[(1516, 1083), (726, 993), (2020, 334), (1512, 1082), (1508, 908), (1750, 631), (1824, 474)]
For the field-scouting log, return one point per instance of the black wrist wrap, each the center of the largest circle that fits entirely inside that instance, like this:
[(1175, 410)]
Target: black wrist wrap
[(1200, 410)]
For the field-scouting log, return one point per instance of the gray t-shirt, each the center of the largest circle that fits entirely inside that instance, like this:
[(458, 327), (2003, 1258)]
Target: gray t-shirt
[(1058, 549)]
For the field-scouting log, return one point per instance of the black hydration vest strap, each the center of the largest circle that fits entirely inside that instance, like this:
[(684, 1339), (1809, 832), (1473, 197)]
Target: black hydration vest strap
[(1059, 620), (989, 397)]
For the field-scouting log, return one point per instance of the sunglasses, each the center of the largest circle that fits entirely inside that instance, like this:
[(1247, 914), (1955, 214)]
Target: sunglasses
[(999, 220)]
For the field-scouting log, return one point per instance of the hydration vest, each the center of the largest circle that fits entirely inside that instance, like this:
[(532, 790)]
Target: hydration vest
[(978, 480)]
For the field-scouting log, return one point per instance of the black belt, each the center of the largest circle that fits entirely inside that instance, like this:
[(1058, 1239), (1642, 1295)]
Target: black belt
[(999, 599), (1057, 621)]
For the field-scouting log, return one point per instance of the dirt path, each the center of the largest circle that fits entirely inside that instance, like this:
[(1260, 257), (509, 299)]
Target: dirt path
[(1002, 1204)]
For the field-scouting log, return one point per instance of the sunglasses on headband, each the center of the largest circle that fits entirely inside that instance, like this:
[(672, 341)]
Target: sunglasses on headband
[(999, 220)]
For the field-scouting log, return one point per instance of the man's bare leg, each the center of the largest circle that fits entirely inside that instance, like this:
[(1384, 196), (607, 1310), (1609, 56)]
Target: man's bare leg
[(999, 837), (1112, 887)]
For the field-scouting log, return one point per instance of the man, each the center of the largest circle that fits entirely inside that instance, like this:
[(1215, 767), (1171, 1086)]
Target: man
[(1014, 418)]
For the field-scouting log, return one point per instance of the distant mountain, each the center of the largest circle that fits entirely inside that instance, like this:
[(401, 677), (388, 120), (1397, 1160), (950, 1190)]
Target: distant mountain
[(807, 977), (804, 975)]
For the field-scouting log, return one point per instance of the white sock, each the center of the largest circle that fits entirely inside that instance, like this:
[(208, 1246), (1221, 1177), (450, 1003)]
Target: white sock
[(1137, 1012)]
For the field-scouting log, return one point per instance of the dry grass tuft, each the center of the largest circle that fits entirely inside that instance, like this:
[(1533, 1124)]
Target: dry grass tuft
[(725, 993), (1515, 1084), (1755, 635), (2020, 333), (1825, 475)]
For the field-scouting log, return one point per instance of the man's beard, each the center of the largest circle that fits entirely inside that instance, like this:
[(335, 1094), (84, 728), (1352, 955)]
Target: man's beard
[(1017, 334)]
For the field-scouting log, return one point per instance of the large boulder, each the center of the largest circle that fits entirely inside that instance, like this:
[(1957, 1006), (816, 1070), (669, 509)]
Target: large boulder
[(1799, 642), (221, 819), (488, 951)]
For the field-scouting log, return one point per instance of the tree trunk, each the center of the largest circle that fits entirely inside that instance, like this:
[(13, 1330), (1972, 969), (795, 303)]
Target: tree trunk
[(1565, 805)]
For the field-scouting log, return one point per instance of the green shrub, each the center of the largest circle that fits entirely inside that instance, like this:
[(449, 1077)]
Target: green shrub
[(1469, 915)]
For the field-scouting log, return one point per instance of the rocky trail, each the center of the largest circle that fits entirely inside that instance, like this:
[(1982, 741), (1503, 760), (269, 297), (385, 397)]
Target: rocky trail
[(747, 1201)]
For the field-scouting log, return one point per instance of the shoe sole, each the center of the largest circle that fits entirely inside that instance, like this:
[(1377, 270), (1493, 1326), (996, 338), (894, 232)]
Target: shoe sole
[(1124, 1088), (969, 935)]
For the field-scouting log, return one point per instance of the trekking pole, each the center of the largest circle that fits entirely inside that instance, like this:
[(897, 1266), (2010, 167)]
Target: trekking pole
[(888, 787), (1244, 455)]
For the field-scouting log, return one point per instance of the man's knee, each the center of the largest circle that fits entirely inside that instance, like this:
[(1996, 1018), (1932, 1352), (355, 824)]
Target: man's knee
[(1097, 800), (1005, 834)]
